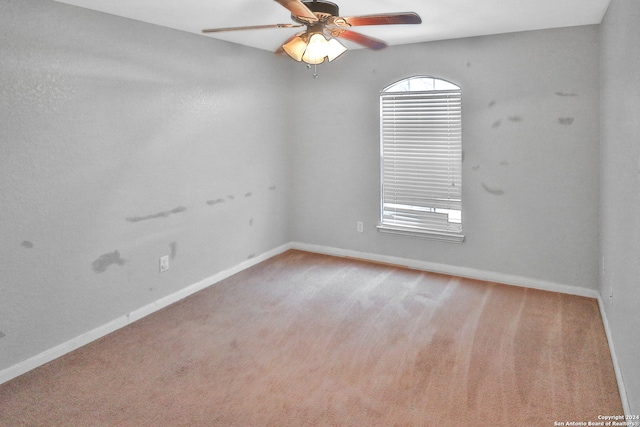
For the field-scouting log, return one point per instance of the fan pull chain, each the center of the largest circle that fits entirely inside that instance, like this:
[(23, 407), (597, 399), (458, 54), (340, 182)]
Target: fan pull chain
[(315, 70)]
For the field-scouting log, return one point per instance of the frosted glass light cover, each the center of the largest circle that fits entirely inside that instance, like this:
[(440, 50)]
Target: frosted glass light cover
[(295, 48), (317, 49)]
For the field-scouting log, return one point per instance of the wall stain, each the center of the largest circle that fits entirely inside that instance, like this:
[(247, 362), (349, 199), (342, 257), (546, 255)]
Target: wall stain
[(231, 197), (476, 167), (173, 247), (215, 202), (496, 124), (164, 214), (273, 187), (504, 163), (251, 256), (515, 119), (251, 222), (566, 94), (492, 103), (494, 191), (101, 264), (2, 335), (27, 244), (249, 194), (566, 121)]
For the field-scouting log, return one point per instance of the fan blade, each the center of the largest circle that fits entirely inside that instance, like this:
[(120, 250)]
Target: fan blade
[(384, 19), (361, 39), (251, 27), (299, 10)]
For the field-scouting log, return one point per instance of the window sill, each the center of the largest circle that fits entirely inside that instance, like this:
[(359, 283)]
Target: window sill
[(442, 236)]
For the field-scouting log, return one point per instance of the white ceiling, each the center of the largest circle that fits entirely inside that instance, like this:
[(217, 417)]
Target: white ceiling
[(441, 19)]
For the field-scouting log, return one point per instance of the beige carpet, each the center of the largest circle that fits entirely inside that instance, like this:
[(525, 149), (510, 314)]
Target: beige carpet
[(311, 340)]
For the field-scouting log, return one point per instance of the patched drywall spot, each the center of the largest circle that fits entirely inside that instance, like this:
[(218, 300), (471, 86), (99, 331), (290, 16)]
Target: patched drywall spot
[(164, 214), (515, 119), (249, 194), (27, 244), (173, 250), (215, 202), (504, 163), (496, 124), (492, 103), (2, 335), (494, 191), (566, 121), (566, 94), (101, 264)]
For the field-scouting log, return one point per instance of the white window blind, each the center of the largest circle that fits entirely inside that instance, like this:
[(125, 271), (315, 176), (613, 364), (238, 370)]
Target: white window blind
[(421, 156)]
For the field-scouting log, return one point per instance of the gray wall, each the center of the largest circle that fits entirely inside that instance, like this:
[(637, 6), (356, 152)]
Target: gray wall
[(531, 155), (121, 142), (620, 172)]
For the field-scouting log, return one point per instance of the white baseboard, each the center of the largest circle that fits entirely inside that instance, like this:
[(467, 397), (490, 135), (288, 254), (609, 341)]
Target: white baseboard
[(99, 332), (471, 273), (616, 366)]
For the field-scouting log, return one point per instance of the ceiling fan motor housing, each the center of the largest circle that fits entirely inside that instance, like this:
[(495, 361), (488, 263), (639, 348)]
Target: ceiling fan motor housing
[(322, 7)]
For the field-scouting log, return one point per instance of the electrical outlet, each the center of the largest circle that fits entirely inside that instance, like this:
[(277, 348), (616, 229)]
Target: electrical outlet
[(360, 226), (164, 263)]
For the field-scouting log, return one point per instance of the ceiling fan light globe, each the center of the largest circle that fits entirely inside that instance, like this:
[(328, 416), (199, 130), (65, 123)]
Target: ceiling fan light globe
[(335, 49), (317, 49), (295, 48)]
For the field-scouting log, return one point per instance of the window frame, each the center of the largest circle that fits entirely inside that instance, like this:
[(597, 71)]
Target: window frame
[(420, 230)]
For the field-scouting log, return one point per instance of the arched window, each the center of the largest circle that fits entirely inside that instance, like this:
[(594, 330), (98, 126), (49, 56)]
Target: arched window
[(421, 158)]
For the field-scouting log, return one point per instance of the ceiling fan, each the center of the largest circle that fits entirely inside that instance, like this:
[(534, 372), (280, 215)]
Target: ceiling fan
[(324, 25)]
